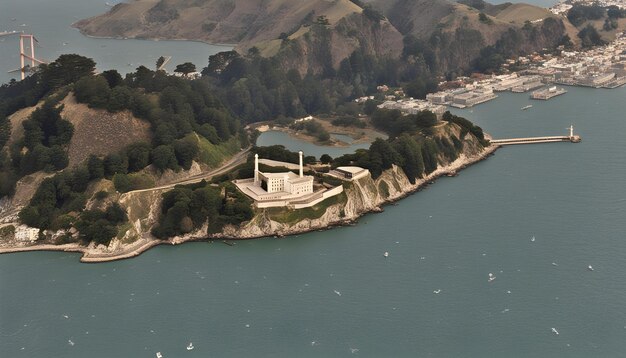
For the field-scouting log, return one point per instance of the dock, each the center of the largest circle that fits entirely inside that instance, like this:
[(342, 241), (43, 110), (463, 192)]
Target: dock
[(548, 93), (572, 138)]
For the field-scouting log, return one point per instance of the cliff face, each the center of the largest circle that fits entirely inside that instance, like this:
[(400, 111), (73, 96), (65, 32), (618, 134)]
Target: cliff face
[(362, 196)]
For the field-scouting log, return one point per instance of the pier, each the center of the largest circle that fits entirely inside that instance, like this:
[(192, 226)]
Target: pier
[(534, 140)]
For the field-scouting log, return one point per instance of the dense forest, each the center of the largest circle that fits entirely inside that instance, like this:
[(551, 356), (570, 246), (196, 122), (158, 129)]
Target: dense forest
[(181, 114)]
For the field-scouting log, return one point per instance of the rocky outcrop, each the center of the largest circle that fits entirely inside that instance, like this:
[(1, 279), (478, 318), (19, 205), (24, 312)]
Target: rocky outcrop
[(364, 196)]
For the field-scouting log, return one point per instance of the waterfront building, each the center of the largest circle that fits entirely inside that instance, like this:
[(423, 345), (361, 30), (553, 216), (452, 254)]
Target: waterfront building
[(473, 98), (350, 173), (547, 93)]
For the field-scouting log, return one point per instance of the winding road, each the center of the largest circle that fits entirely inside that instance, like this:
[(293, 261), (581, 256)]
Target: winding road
[(236, 160)]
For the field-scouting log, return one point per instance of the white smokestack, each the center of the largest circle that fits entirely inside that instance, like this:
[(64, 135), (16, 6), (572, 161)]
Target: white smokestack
[(256, 168), (301, 166)]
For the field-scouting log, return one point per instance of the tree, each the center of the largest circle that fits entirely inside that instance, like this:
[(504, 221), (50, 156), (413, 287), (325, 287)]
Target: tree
[(590, 36), (93, 90), (484, 18), (160, 61), (114, 164), (138, 156), (185, 68), (163, 157), (67, 69), (326, 159), (113, 78), (95, 166), (185, 152), (219, 62)]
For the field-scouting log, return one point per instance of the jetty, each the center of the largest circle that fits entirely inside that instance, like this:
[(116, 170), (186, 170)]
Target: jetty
[(572, 138), (546, 94)]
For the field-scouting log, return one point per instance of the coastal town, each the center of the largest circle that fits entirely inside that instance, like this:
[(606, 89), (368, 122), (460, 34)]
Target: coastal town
[(563, 6), (542, 75)]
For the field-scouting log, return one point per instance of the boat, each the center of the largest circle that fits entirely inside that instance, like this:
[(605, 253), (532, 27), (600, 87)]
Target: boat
[(159, 355), (532, 239), (555, 331), (590, 268), (386, 254), (190, 346), (527, 107), (437, 292), (491, 277)]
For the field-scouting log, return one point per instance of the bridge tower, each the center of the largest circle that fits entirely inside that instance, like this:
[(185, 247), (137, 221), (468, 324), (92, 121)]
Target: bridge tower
[(27, 43)]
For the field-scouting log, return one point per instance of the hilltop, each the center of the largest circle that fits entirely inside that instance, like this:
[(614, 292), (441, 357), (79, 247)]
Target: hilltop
[(317, 35), (457, 33), (267, 25)]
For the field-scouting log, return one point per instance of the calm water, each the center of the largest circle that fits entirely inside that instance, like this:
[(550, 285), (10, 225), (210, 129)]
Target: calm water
[(276, 297), (293, 144), (50, 21)]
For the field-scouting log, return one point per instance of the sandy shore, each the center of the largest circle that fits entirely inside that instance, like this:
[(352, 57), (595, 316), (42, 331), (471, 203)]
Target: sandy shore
[(94, 255)]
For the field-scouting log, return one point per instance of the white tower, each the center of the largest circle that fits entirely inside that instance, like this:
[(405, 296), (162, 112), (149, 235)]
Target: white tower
[(256, 169), (301, 165)]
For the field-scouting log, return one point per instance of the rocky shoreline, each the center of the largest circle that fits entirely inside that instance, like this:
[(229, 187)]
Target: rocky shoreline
[(362, 199)]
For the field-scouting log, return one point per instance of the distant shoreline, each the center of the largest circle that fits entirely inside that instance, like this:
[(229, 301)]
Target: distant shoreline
[(155, 39)]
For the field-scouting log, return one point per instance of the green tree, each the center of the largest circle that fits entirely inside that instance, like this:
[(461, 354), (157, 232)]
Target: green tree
[(185, 152), (185, 68), (163, 158), (160, 61), (67, 69), (114, 164), (95, 166), (138, 156)]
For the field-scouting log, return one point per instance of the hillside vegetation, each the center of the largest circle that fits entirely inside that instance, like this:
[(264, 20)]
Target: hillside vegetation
[(316, 36), (255, 23)]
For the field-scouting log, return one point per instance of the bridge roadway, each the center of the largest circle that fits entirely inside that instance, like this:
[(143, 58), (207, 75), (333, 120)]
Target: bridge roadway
[(533, 140)]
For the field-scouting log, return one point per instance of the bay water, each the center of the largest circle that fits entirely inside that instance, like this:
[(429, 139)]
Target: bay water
[(332, 293), (50, 21)]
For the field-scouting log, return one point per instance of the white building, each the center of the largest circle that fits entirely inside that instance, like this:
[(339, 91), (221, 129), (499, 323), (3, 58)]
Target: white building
[(25, 233), (283, 182), (349, 173)]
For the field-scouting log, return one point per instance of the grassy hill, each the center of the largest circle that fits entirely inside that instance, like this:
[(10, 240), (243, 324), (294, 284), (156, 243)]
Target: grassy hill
[(265, 24), (242, 22), (99, 132)]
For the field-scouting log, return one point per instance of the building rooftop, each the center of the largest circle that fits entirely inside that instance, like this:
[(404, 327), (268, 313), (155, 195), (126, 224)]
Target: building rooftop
[(289, 175), (353, 170)]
